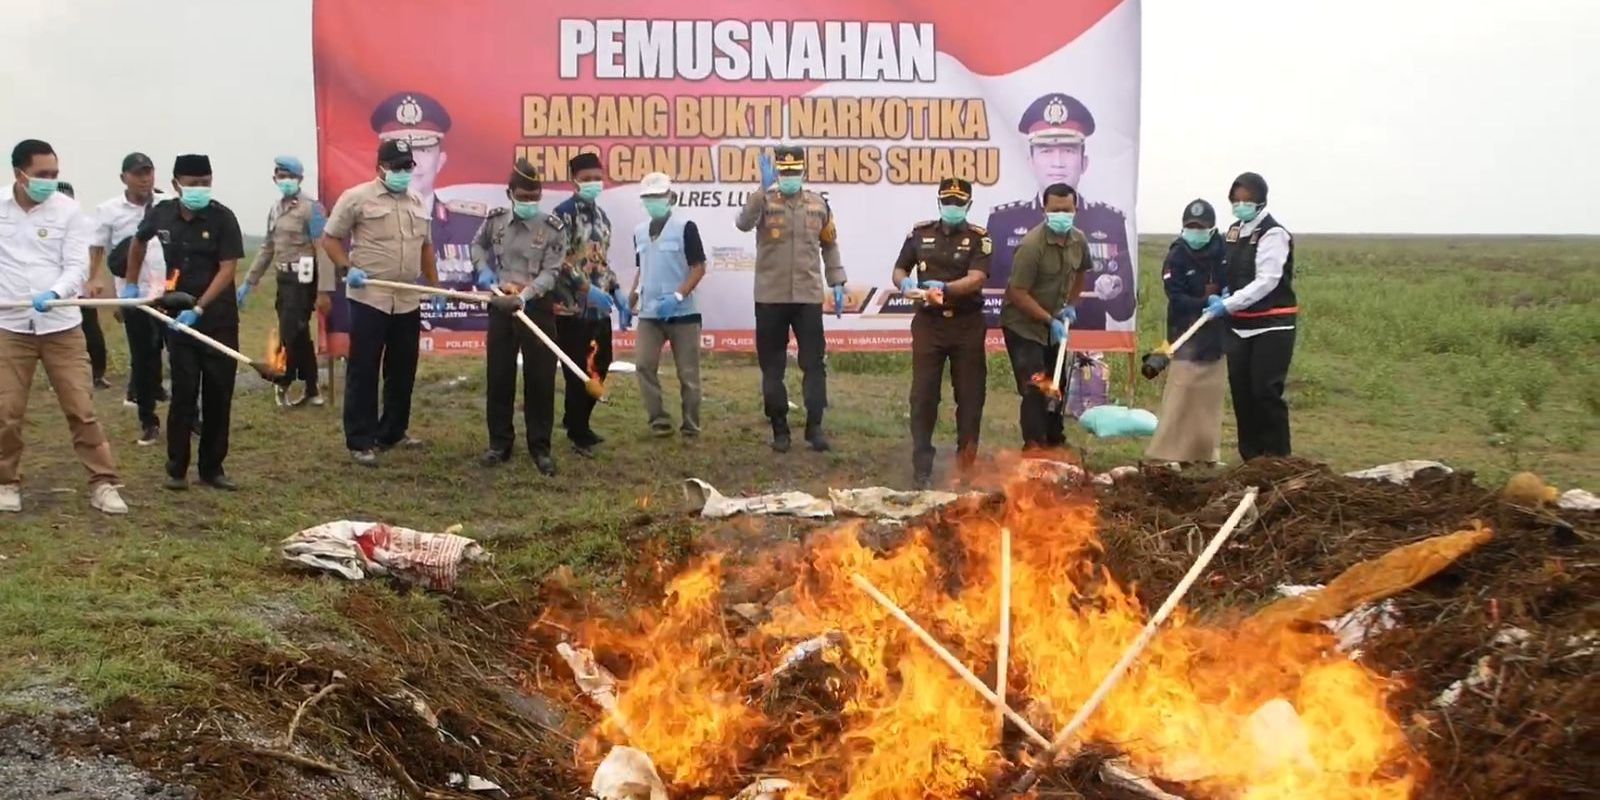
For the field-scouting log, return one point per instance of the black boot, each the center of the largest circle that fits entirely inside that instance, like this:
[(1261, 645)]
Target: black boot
[(780, 435), (817, 439)]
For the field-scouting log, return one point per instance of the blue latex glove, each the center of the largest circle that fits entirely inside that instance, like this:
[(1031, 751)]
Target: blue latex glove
[(1058, 331), (1068, 314), (932, 285), (624, 314), (244, 292), (838, 301), (769, 173), (1215, 306), (437, 303), (129, 292), (908, 285), (486, 279), (600, 301), (41, 298), (356, 277), (187, 319), (667, 307)]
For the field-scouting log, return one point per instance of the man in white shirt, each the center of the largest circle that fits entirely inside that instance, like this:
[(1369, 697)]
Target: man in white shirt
[(44, 256), (1262, 312), (117, 220)]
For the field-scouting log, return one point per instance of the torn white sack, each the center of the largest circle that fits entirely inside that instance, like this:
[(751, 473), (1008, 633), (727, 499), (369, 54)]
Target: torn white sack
[(1352, 629), (713, 504), (1400, 472), (1578, 500), (596, 681), (627, 774), (878, 502), (355, 550), (765, 789)]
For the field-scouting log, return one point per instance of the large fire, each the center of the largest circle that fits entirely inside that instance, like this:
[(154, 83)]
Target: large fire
[(1241, 711), (277, 355)]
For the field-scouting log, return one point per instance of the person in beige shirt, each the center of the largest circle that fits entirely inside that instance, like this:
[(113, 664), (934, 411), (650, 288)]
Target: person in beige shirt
[(391, 239), (293, 227), (797, 259)]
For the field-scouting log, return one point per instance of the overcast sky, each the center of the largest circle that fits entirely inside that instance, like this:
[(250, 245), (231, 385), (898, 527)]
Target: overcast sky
[(1437, 116)]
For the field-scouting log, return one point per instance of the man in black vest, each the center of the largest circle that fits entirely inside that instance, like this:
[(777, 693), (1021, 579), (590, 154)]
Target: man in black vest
[(1261, 312)]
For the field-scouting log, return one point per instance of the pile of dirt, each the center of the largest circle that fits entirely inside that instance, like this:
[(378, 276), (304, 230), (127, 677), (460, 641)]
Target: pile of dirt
[(1516, 622)]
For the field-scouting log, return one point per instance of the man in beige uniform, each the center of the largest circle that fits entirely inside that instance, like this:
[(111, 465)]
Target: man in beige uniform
[(293, 227), (797, 256), (390, 239)]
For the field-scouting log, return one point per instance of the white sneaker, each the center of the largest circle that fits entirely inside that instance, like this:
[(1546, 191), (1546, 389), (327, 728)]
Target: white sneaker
[(10, 498), (104, 498)]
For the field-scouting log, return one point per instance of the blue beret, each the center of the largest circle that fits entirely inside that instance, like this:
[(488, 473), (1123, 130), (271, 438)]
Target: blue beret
[(291, 165)]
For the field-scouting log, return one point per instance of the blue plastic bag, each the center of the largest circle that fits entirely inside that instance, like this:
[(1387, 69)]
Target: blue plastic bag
[(1112, 421)]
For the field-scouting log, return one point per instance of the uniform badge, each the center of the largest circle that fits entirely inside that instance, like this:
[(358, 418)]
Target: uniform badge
[(43, 233), (1233, 234), (966, 242), (409, 112), (1055, 112), (987, 246), (1021, 231), (205, 234), (1197, 209), (1100, 235), (928, 240)]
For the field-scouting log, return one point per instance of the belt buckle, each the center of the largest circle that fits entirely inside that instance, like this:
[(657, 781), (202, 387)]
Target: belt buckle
[(948, 313)]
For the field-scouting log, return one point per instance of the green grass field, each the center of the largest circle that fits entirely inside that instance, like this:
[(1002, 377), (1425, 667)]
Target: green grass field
[(1484, 353)]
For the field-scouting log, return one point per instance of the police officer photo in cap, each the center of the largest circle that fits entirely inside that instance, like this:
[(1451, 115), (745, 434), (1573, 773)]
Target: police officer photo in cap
[(422, 122), (1057, 127)]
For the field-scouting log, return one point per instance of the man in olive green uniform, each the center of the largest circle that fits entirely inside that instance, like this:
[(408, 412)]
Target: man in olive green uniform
[(797, 259), (293, 227), (950, 258), (1046, 279), (520, 251)]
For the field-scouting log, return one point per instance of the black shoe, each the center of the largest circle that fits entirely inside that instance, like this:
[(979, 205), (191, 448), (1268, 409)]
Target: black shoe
[(493, 458), (817, 440), (150, 435), (546, 465), (220, 482), (365, 458), (596, 439), (176, 484), (407, 443), (100, 382), (661, 431), (585, 450), (780, 436)]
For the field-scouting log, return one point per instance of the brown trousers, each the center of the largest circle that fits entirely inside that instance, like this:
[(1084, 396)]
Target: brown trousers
[(66, 365)]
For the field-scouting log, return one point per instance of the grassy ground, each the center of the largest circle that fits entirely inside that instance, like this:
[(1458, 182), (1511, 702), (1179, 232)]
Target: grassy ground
[(1481, 353)]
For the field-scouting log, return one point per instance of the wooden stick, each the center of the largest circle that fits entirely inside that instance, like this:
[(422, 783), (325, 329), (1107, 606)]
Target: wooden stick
[(204, 339), (466, 297), (1117, 672), (1186, 335), (302, 761), (1061, 360), (949, 659), (595, 387), (1003, 659), (288, 738), (84, 302)]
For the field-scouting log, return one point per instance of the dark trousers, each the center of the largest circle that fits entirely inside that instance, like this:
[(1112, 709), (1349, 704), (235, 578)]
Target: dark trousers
[(1042, 426), (144, 362), (202, 381), (774, 321), (1258, 367), (936, 339), (380, 344), (96, 341), (294, 305), (575, 335), (506, 338)]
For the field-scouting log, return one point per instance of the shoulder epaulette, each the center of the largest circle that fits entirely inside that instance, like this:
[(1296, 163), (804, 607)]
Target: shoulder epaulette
[(978, 229), (472, 207), (554, 221), (498, 212)]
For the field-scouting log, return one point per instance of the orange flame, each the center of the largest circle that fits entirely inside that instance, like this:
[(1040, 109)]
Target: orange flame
[(1241, 712), (277, 355), (1046, 385), (594, 372)]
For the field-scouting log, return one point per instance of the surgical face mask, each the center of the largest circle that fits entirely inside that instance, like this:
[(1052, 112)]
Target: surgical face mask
[(194, 198), (789, 184), (396, 180), (524, 210), (1059, 222), (953, 215), (40, 189), (289, 187), (589, 190), (657, 207), (1196, 238), (1244, 212)]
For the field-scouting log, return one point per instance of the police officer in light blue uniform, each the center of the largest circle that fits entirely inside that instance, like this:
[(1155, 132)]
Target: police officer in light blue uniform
[(1057, 127)]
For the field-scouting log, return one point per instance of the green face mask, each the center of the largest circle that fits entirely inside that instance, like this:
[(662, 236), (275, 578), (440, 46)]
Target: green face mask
[(1244, 212), (397, 181), (1196, 238), (524, 210), (953, 215), (589, 190), (195, 198), (1059, 222), (789, 184), (657, 207), (40, 189), (289, 187)]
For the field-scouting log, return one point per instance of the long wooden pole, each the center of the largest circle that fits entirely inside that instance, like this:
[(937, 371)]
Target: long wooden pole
[(417, 288), (1130, 655), (1003, 658)]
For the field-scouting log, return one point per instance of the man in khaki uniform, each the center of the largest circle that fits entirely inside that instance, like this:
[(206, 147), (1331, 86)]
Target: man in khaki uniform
[(797, 258), (390, 239), (293, 227), (1046, 279)]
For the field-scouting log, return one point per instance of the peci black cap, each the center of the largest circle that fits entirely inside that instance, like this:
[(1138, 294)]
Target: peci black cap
[(191, 165), (1199, 211), (958, 189), (524, 176), (396, 154), (789, 158), (136, 162), (583, 161), (1255, 183)]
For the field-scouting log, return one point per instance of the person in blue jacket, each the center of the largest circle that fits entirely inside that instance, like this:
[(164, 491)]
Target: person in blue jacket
[(1190, 427)]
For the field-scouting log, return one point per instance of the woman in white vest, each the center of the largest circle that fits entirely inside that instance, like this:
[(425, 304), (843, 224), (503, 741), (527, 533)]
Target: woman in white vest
[(671, 261)]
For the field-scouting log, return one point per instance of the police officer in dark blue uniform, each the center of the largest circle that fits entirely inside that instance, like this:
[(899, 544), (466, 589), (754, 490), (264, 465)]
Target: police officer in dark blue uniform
[(420, 120), (1057, 127)]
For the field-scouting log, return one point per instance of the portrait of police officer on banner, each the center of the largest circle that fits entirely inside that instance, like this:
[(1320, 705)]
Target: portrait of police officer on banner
[(422, 122), (1057, 127)]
